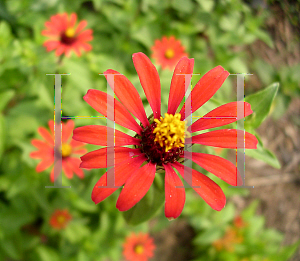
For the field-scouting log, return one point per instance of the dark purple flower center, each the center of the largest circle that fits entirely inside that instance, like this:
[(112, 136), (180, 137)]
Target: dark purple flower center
[(68, 37), (154, 151)]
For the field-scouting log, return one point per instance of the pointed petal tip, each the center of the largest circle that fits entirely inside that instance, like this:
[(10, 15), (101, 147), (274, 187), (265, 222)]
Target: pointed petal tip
[(170, 218)]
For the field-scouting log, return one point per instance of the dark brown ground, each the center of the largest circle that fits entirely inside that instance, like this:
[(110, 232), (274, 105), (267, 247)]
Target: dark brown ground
[(277, 189)]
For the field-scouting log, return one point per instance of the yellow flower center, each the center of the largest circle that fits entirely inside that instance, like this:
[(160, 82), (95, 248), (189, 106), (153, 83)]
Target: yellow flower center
[(170, 131), (70, 32), (66, 150), (61, 219), (139, 249), (169, 54)]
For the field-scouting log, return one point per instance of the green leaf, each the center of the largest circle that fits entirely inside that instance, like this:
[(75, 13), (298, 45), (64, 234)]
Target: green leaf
[(2, 135), (208, 236), (261, 105), (5, 97), (184, 6), (147, 207), (207, 5), (286, 252), (46, 254), (264, 155)]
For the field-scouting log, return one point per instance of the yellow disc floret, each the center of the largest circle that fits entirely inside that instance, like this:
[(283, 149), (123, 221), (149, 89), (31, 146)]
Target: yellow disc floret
[(66, 150), (70, 32), (169, 54), (170, 131), (139, 249)]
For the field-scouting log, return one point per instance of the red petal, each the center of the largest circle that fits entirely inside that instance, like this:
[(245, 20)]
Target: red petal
[(67, 129), (60, 50), (177, 89), (76, 144), (127, 95), (41, 145), (73, 18), (206, 88), (79, 151), (98, 100), (136, 187), (44, 164), (226, 138), (209, 190), (175, 197), (51, 127), (67, 169), (74, 163), (98, 158), (150, 81), (121, 172), (46, 135), (215, 118), (216, 165), (97, 135), (81, 26)]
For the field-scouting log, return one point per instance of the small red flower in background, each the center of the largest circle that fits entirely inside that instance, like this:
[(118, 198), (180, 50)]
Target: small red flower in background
[(69, 149), (167, 52), (60, 219), (160, 141), (138, 247), (65, 36), (239, 222)]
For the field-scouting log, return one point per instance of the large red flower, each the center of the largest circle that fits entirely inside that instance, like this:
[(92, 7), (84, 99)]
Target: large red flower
[(60, 219), (138, 247), (65, 36), (160, 143), (167, 52), (69, 149)]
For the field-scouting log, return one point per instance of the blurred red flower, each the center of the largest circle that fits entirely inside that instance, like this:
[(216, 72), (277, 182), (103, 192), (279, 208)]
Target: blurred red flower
[(65, 36), (60, 219), (138, 247), (69, 149), (167, 52), (160, 142)]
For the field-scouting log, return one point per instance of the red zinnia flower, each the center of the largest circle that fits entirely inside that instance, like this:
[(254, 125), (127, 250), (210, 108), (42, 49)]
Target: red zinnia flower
[(69, 147), (167, 52), (60, 219), (65, 36), (138, 247), (160, 142)]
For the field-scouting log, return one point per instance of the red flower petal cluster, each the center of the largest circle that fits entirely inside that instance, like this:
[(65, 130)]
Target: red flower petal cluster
[(60, 219), (65, 36), (167, 52), (70, 147), (138, 247), (160, 142)]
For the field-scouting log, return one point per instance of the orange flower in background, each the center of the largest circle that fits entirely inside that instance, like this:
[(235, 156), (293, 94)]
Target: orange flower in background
[(69, 149), (65, 36), (60, 219), (138, 247), (228, 241), (167, 52)]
